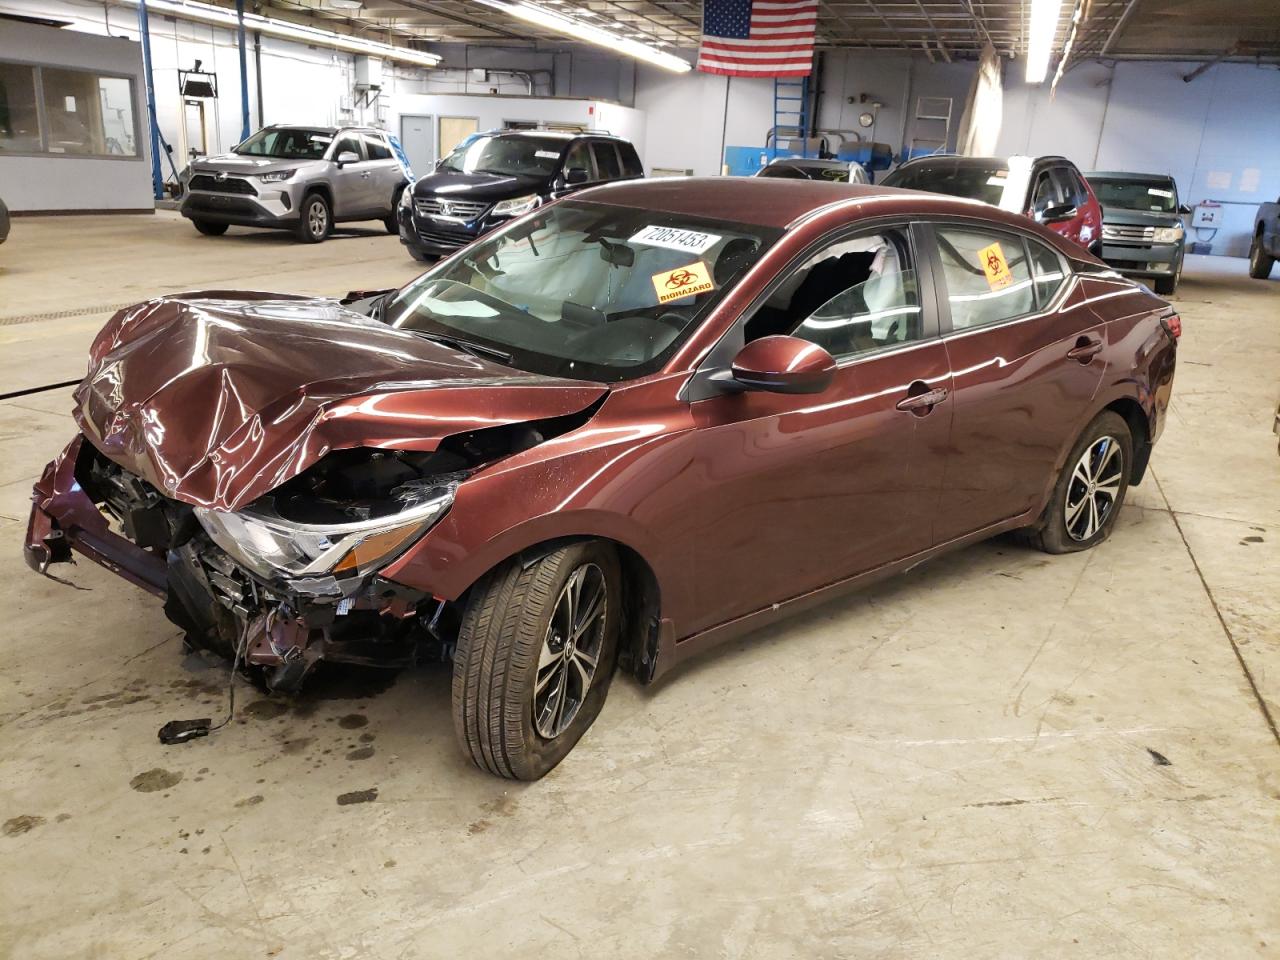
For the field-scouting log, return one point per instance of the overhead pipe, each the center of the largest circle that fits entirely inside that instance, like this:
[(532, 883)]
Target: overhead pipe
[(1120, 24)]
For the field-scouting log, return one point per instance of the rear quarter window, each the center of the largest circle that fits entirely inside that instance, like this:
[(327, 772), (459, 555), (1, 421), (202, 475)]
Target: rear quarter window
[(631, 165)]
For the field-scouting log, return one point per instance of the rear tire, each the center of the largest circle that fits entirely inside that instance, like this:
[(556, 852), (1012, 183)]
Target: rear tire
[(1260, 262), (210, 229), (1090, 491), (315, 219), (527, 680)]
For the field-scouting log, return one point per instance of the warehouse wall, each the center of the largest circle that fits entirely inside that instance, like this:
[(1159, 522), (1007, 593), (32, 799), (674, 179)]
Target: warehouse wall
[(1219, 135), (303, 84), (711, 112), (58, 182)]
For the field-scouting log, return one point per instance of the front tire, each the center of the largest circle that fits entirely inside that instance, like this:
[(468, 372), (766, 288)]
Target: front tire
[(1166, 286), (392, 223), (210, 229), (420, 255), (1260, 262), (315, 219), (1090, 491), (535, 657)]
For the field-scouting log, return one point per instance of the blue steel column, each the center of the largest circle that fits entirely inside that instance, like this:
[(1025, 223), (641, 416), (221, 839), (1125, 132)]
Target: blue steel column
[(244, 76), (144, 31)]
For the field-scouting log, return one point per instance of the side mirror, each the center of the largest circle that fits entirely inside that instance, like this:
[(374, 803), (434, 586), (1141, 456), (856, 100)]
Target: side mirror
[(783, 365), (576, 175), (1057, 213), (1183, 209), (348, 156)]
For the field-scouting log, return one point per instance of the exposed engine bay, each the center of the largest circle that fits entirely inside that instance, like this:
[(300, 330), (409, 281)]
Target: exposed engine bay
[(293, 578)]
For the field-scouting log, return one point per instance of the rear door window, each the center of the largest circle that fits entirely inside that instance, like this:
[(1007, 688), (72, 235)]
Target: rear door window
[(607, 166), (375, 147), (986, 274)]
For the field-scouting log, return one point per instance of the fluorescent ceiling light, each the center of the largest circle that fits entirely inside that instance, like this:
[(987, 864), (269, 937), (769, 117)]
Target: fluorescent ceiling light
[(1044, 27), (283, 30), (581, 30)]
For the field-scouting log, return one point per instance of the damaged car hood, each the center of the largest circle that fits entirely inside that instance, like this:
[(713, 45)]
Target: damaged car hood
[(218, 397)]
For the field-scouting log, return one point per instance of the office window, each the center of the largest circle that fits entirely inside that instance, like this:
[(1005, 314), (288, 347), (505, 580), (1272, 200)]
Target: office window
[(88, 115), (19, 119)]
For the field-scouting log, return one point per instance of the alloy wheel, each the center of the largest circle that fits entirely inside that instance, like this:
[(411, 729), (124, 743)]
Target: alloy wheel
[(1093, 488), (570, 650), (317, 218)]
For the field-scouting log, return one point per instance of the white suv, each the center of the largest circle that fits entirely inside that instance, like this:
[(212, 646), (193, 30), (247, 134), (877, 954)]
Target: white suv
[(303, 179)]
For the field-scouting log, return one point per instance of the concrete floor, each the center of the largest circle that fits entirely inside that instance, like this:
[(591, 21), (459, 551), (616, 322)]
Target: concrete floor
[(968, 761)]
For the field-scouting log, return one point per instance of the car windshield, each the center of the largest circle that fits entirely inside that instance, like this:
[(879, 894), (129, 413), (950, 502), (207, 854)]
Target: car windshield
[(508, 156), (975, 181), (582, 290), (293, 143), (1156, 195)]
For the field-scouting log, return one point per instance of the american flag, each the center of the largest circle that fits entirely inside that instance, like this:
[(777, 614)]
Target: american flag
[(758, 38)]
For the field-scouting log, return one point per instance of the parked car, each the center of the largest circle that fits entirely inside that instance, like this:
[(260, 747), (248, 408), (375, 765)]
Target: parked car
[(1049, 190), (4, 222), (812, 168), (492, 178), (1264, 249), (621, 429), (1142, 231), (303, 179)]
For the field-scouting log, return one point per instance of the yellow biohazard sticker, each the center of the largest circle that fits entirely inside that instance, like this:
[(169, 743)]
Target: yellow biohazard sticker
[(682, 282), (995, 266)]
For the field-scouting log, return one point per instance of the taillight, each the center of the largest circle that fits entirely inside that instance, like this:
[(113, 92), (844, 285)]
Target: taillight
[(1172, 325)]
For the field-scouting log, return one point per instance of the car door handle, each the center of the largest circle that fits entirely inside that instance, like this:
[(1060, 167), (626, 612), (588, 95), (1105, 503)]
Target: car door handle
[(1086, 349), (922, 400), (365, 175)]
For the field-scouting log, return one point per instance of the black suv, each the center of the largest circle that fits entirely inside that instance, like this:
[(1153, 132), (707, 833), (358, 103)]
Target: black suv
[(491, 177)]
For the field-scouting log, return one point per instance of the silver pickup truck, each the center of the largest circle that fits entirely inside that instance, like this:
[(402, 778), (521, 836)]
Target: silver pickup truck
[(1265, 248), (303, 179)]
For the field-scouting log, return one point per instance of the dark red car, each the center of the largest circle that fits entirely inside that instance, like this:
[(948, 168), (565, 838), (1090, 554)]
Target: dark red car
[(1049, 190), (626, 427)]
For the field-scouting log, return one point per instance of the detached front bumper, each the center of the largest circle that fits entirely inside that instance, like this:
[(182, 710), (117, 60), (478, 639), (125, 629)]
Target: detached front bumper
[(221, 606), (63, 519)]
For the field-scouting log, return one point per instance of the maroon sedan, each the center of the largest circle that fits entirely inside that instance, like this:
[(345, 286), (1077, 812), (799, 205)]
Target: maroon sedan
[(619, 430)]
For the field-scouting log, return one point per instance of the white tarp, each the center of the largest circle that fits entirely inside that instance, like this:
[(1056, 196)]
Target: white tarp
[(980, 125)]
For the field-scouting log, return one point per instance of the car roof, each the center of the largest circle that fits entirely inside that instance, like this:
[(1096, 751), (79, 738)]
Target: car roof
[(1128, 175), (318, 128), (564, 135), (779, 203), (956, 159)]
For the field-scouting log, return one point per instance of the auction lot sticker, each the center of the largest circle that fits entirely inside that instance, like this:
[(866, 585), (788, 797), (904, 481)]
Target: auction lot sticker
[(995, 266), (682, 282), (673, 238)]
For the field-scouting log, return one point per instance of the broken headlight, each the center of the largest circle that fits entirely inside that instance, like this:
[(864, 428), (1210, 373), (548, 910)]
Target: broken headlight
[(271, 545)]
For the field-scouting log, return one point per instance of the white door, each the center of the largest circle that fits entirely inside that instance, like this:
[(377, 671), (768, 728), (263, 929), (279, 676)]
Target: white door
[(419, 144)]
